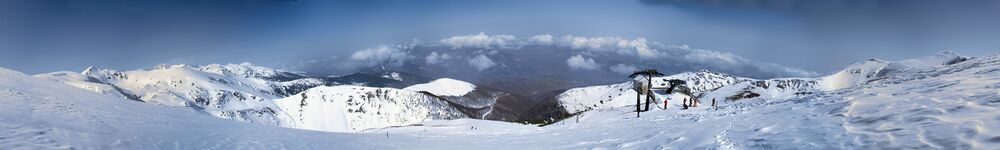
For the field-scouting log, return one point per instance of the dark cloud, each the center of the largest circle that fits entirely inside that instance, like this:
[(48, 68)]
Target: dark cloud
[(832, 30)]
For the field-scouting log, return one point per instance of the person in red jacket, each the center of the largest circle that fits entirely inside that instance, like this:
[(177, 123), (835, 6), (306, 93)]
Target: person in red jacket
[(666, 102)]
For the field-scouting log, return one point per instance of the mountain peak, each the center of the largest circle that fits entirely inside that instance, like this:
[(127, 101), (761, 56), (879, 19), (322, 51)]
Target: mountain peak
[(168, 66), (948, 53), (87, 71)]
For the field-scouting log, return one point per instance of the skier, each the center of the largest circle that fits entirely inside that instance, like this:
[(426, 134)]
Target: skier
[(713, 104), (685, 103), (666, 102)]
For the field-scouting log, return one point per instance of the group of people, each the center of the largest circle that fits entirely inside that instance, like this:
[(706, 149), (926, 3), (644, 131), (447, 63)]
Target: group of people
[(689, 102)]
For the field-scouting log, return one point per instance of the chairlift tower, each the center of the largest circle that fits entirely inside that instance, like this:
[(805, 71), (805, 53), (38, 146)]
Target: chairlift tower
[(646, 87)]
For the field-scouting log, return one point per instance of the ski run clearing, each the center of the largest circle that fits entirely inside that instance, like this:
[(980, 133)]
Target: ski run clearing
[(876, 104)]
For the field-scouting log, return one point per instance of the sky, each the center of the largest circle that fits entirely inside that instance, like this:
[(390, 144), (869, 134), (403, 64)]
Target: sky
[(38, 36)]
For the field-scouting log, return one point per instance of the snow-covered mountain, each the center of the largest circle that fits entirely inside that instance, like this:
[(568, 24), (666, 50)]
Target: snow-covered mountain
[(617, 95), (873, 69), (954, 105), (444, 87), (37, 113), (235, 91), (86, 82), (477, 101), (250, 93), (706, 85), (349, 108)]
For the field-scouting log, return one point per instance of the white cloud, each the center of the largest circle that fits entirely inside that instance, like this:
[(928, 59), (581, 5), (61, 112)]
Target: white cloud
[(701, 55), (544, 39), (726, 60), (381, 54), (637, 47), (596, 48), (434, 58), (623, 68), (482, 62), (481, 40), (579, 62)]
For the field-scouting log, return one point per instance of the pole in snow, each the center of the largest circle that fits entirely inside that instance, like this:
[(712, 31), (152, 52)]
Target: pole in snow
[(641, 87)]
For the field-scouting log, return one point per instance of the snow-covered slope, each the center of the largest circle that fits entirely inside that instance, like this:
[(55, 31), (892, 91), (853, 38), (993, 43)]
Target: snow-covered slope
[(954, 106), (477, 102), (349, 108), (40, 114), (226, 91), (863, 72), (444, 87), (947, 107), (85, 82), (707, 85), (616, 95), (250, 93)]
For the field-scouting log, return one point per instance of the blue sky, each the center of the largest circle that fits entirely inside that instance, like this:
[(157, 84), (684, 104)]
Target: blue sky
[(38, 36)]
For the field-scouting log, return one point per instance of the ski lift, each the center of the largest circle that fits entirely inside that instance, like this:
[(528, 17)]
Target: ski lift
[(646, 87)]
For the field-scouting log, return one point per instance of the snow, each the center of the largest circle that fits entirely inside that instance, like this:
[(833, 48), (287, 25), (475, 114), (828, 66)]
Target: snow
[(444, 87), (349, 108), (218, 92), (40, 114), (83, 82), (862, 72), (255, 94), (953, 106), (855, 74), (617, 95)]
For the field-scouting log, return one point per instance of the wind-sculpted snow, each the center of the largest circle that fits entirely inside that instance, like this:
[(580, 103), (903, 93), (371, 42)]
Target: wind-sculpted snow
[(349, 108), (863, 72), (951, 107)]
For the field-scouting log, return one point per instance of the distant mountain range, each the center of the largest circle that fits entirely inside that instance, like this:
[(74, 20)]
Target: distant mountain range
[(385, 96)]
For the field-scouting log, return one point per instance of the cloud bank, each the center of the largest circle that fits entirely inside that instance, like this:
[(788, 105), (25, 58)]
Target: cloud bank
[(480, 40), (480, 52)]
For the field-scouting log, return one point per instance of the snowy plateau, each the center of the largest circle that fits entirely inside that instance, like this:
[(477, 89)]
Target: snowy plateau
[(940, 101)]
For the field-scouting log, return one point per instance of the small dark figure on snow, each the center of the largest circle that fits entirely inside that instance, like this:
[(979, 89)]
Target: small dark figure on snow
[(666, 102), (714, 105), (685, 105)]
